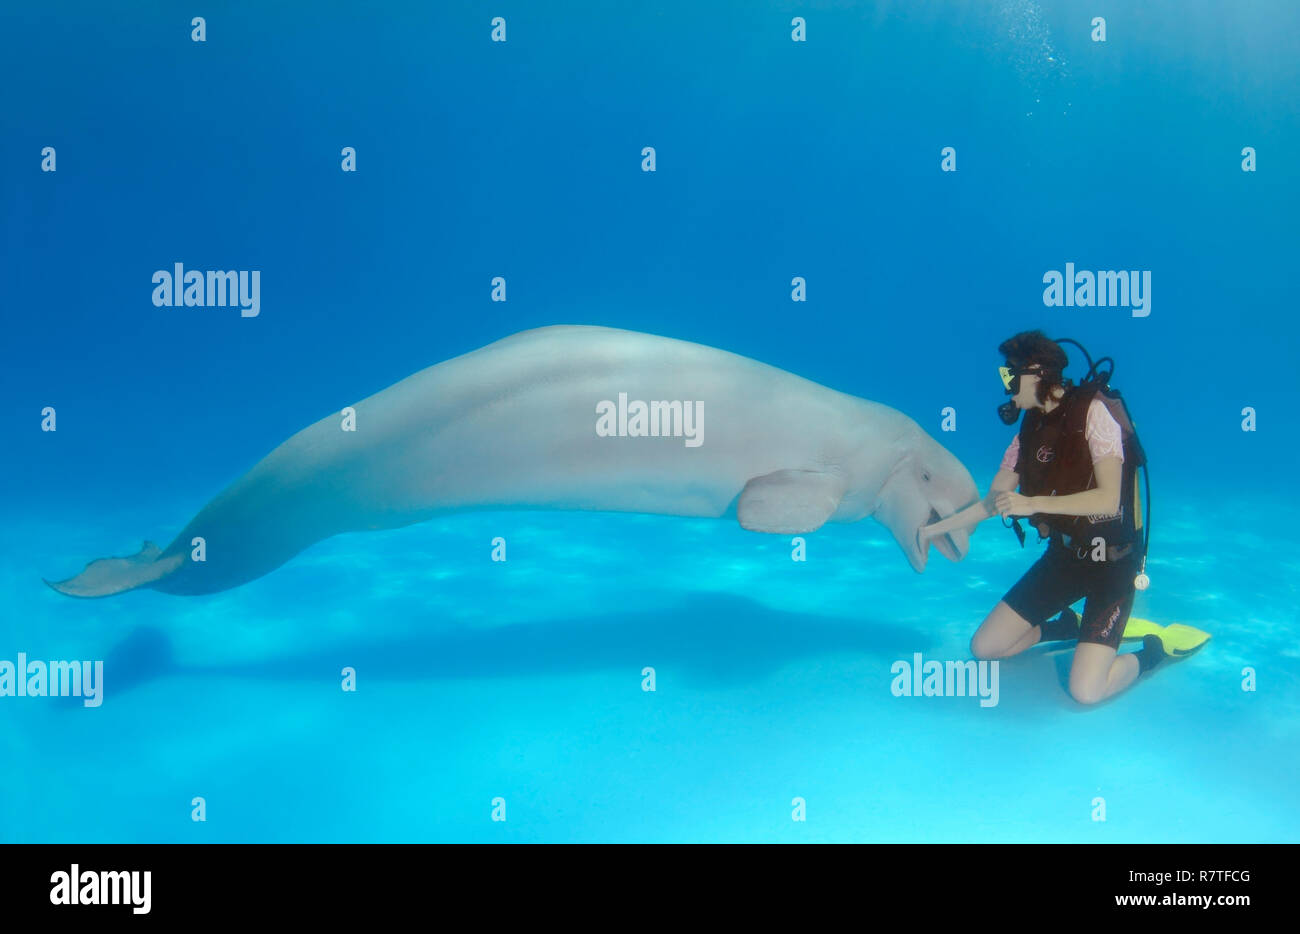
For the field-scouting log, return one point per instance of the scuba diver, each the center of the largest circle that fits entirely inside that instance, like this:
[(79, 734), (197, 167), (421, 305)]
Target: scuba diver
[(1074, 463)]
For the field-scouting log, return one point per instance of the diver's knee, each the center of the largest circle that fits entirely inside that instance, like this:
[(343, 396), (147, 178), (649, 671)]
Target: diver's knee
[(981, 646), (1086, 690)]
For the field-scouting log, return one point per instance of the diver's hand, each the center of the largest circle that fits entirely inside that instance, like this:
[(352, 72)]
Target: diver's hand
[(1013, 504)]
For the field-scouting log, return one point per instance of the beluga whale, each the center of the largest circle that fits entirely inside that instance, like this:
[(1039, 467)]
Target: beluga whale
[(569, 417)]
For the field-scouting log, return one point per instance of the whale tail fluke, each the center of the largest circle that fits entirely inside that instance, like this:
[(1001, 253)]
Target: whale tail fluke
[(108, 576)]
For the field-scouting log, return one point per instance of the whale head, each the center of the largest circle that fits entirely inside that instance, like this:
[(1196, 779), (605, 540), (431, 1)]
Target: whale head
[(928, 483)]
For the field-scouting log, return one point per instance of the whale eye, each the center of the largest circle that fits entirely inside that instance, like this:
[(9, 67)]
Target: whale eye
[(925, 476)]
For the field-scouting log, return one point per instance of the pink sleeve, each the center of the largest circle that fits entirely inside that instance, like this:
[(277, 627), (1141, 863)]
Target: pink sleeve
[(1013, 452), (1103, 433)]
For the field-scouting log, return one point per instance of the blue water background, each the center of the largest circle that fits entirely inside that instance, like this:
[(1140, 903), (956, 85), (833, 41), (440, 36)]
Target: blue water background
[(775, 159)]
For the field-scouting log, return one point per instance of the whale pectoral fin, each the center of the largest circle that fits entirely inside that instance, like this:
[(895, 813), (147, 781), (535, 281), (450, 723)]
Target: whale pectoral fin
[(107, 576), (789, 501)]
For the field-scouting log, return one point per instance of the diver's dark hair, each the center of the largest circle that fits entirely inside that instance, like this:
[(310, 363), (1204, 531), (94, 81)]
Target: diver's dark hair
[(1034, 347)]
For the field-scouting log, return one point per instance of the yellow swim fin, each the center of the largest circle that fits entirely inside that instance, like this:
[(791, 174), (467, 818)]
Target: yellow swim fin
[(1180, 639), (1137, 628)]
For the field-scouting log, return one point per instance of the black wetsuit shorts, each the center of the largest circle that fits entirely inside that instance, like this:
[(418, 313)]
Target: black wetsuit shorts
[(1060, 578)]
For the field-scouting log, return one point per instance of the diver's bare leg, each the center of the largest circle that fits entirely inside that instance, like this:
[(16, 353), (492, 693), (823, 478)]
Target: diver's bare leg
[(1098, 672), (1004, 632)]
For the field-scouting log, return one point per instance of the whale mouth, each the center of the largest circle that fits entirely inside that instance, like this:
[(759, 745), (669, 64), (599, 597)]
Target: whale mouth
[(904, 509), (945, 544)]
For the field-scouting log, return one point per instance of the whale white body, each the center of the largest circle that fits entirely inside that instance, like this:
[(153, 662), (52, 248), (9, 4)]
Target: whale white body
[(513, 425)]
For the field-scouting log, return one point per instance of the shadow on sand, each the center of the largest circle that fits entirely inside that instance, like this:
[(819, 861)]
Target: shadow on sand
[(717, 639)]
